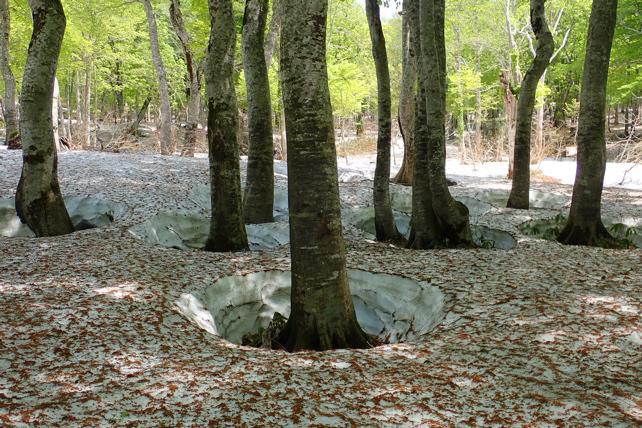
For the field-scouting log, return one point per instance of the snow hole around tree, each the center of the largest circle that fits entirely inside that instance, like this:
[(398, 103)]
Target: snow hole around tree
[(392, 308), (86, 212)]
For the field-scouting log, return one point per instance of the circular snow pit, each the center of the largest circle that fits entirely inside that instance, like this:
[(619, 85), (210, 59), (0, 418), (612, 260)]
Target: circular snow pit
[(184, 231), (487, 237), (85, 213), (393, 308)]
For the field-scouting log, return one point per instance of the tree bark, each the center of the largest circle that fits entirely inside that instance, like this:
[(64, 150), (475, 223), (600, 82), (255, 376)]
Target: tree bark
[(39, 202), (194, 102), (322, 315), (166, 142), (227, 230), (525, 103), (9, 100), (407, 101), (85, 126), (258, 199), (452, 215), (273, 32), (55, 101), (385, 227), (140, 116), (584, 226)]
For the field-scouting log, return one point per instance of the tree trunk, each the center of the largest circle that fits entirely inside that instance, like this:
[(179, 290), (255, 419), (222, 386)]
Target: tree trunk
[(166, 142), (9, 100), (478, 109), (522, 155), (140, 116), (85, 130), (273, 32), (194, 102), (258, 199), (39, 202), (584, 226), (407, 101), (227, 230), (385, 227), (322, 315), (55, 101), (452, 215)]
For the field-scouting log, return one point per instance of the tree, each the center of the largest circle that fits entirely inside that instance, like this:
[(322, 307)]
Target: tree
[(584, 226), (167, 145), (193, 74), (258, 199), (519, 194), (227, 229), (441, 220), (322, 315), (9, 100), (385, 227), (39, 202)]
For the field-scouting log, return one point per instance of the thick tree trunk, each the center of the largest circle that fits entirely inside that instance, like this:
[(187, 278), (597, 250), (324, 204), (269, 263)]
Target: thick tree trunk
[(9, 99), (258, 199), (385, 227), (407, 101), (166, 142), (522, 155), (451, 214), (584, 226), (194, 100), (322, 315), (39, 202), (227, 229)]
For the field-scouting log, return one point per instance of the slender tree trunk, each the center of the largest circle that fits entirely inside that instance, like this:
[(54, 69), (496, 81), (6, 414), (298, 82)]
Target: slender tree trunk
[(85, 131), (258, 199), (39, 202), (166, 142), (385, 227), (140, 116), (407, 101), (478, 108), (69, 107), (584, 226), (55, 101), (273, 32), (322, 315), (451, 214), (227, 229), (522, 156), (194, 102), (9, 100)]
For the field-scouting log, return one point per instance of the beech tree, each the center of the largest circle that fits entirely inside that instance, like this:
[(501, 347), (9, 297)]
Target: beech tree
[(385, 227), (584, 226), (519, 194), (258, 199), (9, 99), (227, 229), (322, 315), (39, 201)]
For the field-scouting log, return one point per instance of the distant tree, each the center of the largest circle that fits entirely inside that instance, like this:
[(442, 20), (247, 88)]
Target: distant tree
[(385, 227), (258, 199), (9, 99), (322, 315), (39, 202), (227, 229), (519, 193), (584, 226)]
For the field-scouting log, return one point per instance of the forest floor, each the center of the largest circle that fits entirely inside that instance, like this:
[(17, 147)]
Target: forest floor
[(539, 335)]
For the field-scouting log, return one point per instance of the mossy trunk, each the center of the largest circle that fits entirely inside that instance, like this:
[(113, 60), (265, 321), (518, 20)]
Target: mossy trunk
[(39, 201), (258, 199), (322, 316), (227, 229), (9, 99), (525, 103), (407, 101), (166, 142), (385, 227), (584, 226)]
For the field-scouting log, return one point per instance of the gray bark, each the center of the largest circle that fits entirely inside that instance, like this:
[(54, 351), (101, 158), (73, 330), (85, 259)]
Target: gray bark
[(166, 142), (323, 315), (85, 125), (522, 154), (39, 202), (9, 99), (194, 101), (385, 227), (584, 226), (55, 101), (273, 32), (258, 199), (227, 229)]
